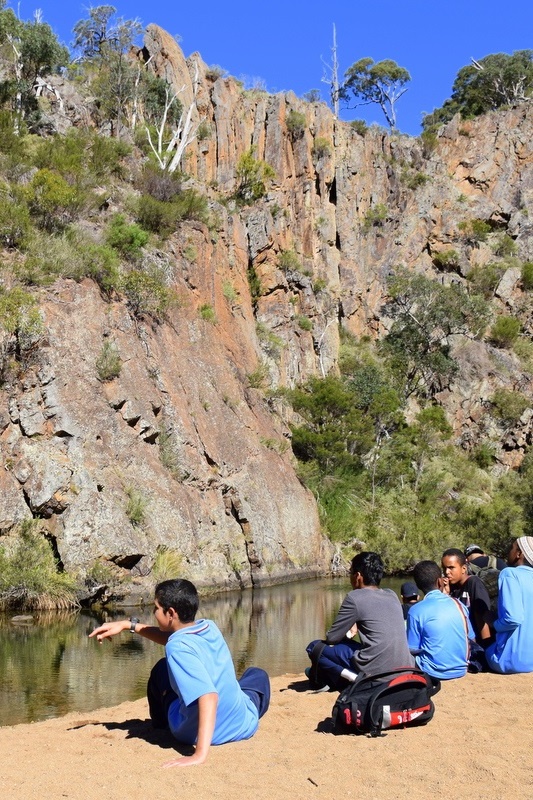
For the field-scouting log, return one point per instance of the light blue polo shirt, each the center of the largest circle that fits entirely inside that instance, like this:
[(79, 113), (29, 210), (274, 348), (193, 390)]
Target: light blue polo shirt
[(199, 662), (513, 649), (437, 636)]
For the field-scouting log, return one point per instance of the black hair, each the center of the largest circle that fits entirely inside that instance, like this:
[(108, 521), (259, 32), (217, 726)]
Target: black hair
[(370, 566), (179, 594), (459, 555), (426, 574)]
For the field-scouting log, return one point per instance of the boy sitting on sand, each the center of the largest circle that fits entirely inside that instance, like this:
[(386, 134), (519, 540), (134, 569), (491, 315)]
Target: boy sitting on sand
[(194, 690)]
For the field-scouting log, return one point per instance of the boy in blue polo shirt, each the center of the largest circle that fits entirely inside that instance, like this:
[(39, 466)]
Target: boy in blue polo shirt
[(437, 628), (194, 690)]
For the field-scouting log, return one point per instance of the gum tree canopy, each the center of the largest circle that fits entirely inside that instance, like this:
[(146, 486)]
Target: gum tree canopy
[(496, 80), (383, 83)]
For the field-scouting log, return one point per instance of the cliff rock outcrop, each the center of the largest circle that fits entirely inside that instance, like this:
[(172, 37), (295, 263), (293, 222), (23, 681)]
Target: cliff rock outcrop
[(180, 451)]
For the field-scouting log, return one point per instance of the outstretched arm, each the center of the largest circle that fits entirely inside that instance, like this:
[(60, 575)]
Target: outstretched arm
[(207, 713), (109, 629)]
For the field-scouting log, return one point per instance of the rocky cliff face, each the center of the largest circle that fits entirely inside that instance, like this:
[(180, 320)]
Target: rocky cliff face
[(180, 451)]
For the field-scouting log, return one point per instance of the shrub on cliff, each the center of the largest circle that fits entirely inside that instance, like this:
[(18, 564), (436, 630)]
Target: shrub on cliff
[(147, 293), (505, 331), (252, 176), (82, 157), (14, 223), (296, 123), (29, 575), (509, 405), (127, 238), (108, 363), (163, 217), (52, 200)]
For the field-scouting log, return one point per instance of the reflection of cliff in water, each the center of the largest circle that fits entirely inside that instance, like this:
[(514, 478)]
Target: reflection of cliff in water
[(50, 666), (271, 627)]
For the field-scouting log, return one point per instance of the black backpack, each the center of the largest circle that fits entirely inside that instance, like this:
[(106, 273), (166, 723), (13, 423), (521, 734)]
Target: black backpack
[(489, 575), (393, 699)]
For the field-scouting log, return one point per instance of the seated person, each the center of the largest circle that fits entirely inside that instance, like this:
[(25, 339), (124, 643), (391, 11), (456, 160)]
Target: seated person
[(438, 627), (470, 590), (194, 691), (377, 615), (410, 596), (477, 558), (512, 650)]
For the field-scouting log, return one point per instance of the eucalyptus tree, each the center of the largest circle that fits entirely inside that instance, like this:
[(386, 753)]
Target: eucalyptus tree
[(382, 83)]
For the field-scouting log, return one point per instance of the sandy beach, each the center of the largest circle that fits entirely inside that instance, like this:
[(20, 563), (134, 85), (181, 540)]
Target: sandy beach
[(478, 745)]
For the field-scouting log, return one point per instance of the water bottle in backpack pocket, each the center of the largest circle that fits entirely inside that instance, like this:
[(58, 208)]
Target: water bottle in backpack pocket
[(394, 699)]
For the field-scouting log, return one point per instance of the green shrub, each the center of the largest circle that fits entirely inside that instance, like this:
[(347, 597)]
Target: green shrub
[(509, 405), (305, 323), (414, 180), (483, 455), (168, 453), (505, 330), (446, 259), (207, 312), (203, 131), (147, 293), (257, 378), (289, 261), (29, 575), (106, 156), (14, 223), (13, 144), (101, 263), (190, 253), (52, 201), (229, 292), (270, 343), (254, 282), (359, 126), (157, 216), (252, 176), (168, 564), (70, 255), (127, 238), (19, 314), (375, 216), (190, 204), (321, 147), (485, 279), (523, 347), (82, 157), (429, 141), (108, 363), (163, 216), (505, 246), (296, 123), (527, 275), (475, 230), (136, 506)]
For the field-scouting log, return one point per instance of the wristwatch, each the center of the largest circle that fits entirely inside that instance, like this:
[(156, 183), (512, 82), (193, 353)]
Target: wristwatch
[(133, 623)]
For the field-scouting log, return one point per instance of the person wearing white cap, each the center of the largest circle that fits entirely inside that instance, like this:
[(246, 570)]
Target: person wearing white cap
[(513, 649)]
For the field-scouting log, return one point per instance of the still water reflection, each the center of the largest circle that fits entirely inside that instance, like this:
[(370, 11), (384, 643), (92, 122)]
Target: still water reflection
[(50, 667)]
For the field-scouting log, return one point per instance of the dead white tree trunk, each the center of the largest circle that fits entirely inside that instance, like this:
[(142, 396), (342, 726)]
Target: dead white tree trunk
[(170, 154), (332, 76)]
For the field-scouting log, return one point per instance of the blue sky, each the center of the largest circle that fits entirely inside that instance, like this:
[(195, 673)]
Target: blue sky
[(283, 42)]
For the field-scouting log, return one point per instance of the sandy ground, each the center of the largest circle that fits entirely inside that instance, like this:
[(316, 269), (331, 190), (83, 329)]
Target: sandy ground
[(478, 745)]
